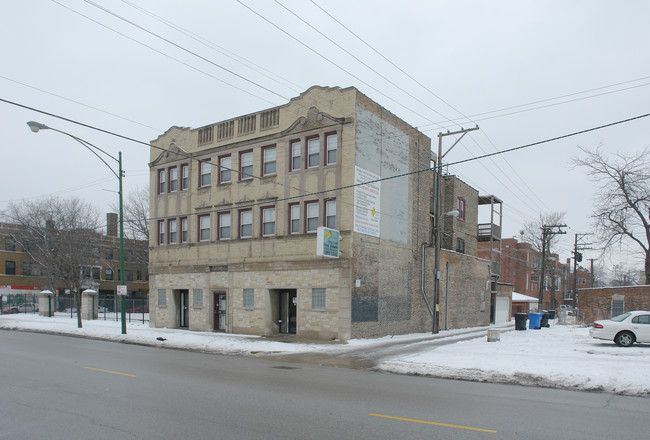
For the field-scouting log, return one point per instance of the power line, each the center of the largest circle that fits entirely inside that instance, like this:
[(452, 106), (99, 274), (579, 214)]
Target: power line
[(178, 46)]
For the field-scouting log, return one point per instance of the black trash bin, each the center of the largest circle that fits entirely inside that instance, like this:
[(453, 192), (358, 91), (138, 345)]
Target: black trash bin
[(551, 314), (544, 320), (520, 321)]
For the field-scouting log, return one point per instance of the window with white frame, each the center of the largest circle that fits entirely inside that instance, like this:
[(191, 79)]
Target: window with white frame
[(268, 160), (161, 232), (108, 274), (245, 223), (295, 154), (331, 147), (311, 216), (245, 165), (206, 173), (268, 221), (173, 179), (330, 214), (185, 176), (318, 299), (197, 298), (225, 165), (162, 297), (204, 227), (249, 298), (294, 218), (162, 181), (313, 152), (461, 208), (172, 231), (224, 221), (184, 230)]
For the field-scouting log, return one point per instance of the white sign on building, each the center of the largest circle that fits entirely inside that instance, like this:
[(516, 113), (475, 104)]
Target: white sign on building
[(366, 202)]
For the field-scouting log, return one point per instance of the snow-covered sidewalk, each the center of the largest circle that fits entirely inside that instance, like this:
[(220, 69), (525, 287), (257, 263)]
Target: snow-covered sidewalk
[(559, 356)]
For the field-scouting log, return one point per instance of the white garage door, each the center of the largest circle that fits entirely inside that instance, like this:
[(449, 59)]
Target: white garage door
[(502, 309)]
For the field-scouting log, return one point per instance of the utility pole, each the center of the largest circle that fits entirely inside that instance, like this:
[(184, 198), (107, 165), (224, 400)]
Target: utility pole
[(548, 231), (437, 207), (577, 258)]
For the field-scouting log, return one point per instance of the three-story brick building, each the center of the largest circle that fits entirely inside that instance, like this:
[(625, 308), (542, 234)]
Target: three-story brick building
[(236, 206)]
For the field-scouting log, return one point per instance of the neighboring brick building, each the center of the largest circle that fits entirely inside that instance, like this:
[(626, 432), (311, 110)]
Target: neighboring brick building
[(19, 274), (606, 302), (235, 209), (521, 267)]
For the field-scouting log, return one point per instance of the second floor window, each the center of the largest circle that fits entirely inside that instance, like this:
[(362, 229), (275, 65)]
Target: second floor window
[(461, 208), (173, 179), (225, 165), (206, 172), (224, 225), (245, 223), (245, 165), (311, 216), (330, 214), (184, 230), (204, 227), (268, 221), (460, 245), (294, 218), (161, 232), (172, 231), (268, 160)]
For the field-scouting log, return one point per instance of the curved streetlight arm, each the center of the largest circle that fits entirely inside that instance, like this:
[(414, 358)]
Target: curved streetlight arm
[(36, 127)]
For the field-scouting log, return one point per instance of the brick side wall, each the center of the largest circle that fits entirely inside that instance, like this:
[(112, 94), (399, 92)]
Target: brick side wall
[(596, 303)]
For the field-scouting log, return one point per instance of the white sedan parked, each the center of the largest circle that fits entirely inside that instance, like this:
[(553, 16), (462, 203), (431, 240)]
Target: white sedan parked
[(625, 329)]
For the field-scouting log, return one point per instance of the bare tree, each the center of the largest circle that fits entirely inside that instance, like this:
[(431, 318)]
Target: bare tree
[(622, 206), (60, 235), (623, 276), (533, 233), (136, 214)]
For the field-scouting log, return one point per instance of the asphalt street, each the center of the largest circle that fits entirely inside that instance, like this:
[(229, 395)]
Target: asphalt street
[(56, 387)]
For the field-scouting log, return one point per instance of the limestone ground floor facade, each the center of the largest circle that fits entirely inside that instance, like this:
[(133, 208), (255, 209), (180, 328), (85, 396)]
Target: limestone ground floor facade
[(311, 301)]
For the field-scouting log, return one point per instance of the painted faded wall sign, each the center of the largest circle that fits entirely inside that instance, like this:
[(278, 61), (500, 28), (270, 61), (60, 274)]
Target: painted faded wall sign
[(366, 202)]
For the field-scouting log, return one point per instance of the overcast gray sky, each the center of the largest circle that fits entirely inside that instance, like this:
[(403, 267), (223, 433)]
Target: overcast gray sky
[(524, 71)]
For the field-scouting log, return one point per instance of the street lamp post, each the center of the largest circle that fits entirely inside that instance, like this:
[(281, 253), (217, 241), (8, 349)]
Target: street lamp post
[(35, 127)]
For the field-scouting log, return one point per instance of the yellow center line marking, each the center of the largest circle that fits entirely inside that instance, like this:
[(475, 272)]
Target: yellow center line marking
[(109, 371), (434, 423)]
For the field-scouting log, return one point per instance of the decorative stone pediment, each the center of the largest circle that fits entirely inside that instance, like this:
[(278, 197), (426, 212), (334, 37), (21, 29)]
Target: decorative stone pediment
[(172, 154), (314, 120)]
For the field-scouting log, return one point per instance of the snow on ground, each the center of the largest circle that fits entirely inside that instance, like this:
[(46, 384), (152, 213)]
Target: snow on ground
[(559, 356)]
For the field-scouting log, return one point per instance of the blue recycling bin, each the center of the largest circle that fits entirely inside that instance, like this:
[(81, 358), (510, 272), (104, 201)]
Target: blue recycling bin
[(535, 320)]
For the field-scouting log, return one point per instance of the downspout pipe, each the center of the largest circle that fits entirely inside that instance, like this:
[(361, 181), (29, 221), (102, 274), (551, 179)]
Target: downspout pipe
[(423, 278)]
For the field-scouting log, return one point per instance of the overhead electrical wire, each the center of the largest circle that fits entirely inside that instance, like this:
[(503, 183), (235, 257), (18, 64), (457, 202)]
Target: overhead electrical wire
[(165, 54), (184, 49), (222, 50), (240, 2)]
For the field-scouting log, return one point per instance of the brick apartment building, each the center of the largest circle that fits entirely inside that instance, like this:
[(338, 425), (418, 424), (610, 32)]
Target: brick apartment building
[(22, 276), (236, 207), (521, 267)]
